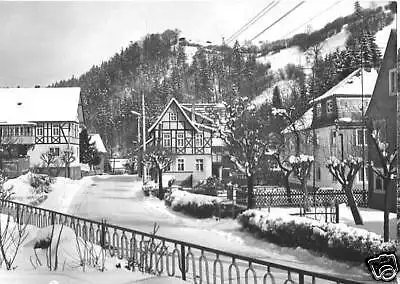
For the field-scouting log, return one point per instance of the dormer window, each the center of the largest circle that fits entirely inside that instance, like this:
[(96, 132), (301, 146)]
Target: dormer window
[(318, 110), (392, 82), (329, 107), (172, 116)]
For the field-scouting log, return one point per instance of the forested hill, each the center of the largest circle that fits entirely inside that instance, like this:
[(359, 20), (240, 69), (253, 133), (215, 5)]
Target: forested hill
[(158, 66)]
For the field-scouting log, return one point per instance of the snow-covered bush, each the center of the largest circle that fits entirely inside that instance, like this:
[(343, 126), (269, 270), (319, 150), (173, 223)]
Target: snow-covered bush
[(210, 186), (40, 183), (197, 205), (335, 240)]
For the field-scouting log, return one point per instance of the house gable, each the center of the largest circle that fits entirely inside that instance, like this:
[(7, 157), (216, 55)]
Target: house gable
[(173, 107)]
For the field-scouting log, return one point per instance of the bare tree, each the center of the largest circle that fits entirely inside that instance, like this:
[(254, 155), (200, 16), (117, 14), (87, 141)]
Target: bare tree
[(246, 138), (48, 158), (299, 164), (68, 158), (345, 172), (160, 159), (387, 172)]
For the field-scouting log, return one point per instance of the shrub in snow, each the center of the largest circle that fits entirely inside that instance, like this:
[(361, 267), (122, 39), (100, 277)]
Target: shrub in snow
[(40, 183), (197, 205), (210, 186), (336, 240)]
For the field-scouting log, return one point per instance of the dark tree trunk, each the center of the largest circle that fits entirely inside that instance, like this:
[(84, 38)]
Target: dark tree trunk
[(386, 211), (287, 186), (250, 192), (352, 203), (304, 188), (160, 185)]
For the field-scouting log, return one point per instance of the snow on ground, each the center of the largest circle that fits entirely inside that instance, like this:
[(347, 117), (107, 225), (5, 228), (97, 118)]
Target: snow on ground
[(21, 186), (373, 219), (31, 265), (120, 199), (296, 56), (63, 191)]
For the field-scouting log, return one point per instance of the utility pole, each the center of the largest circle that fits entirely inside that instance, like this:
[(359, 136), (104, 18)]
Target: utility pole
[(144, 135), (362, 121)]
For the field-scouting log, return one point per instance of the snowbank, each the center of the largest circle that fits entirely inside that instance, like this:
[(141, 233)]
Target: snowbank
[(198, 205), (336, 240), (32, 260), (22, 189), (63, 191)]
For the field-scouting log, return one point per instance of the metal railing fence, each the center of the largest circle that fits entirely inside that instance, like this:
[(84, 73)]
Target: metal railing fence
[(175, 258)]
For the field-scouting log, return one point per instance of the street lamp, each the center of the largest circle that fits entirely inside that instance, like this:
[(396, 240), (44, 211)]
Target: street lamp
[(143, 116)]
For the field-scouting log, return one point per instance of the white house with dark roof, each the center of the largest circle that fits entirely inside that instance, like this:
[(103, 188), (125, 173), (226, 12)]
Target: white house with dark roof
[(337, 121), (38, 120), (188, 135)]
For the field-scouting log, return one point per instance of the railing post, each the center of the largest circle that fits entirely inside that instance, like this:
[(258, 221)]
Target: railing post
[(18, 220), (301, 278), (103, 233), (337, 211), (183, 262)]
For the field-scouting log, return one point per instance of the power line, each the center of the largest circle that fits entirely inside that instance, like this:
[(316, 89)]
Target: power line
[(286, 14), (316, 16), (260, 14), (250, 21)]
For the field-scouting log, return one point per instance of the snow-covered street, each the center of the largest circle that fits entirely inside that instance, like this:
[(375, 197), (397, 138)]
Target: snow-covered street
[(120, 201)]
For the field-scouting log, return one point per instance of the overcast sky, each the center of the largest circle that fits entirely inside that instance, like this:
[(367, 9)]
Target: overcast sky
[(43, 42)]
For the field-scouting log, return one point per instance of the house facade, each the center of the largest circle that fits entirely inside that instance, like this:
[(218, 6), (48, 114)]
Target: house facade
[(382, 116), (188, 135), (34, 121), (335, 119)]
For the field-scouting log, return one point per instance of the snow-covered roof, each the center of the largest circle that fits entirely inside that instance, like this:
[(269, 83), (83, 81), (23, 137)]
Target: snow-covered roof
[(39, 104), (98, 143), (351, 85), (304, 122), (17, 122)]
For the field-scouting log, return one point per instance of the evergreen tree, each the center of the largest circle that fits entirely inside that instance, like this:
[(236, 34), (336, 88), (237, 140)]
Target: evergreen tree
[(84, 146), (276, 98), (237, 66)]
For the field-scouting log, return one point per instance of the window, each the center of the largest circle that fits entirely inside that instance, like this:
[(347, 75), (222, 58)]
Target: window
[(179, 139), (181, 165), (378, 187), (55, 151), (360, 138), (56, 130), (318, 110), (199, 140), (172, 116), (39, 130), (199, 165), (329, 107), (392, 82), (167, 139), (17, 132)]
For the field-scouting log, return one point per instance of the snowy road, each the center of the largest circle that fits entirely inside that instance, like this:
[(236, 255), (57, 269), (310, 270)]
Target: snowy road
[(120, 200)]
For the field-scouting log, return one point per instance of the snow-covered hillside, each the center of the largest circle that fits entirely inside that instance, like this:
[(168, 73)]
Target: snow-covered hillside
[(296, 56)]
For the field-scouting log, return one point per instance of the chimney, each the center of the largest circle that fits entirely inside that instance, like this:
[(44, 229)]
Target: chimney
[(193, 116)]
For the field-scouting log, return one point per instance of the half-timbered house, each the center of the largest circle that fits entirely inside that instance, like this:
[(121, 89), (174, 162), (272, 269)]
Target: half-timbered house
[(39, 120), (188, 135)]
